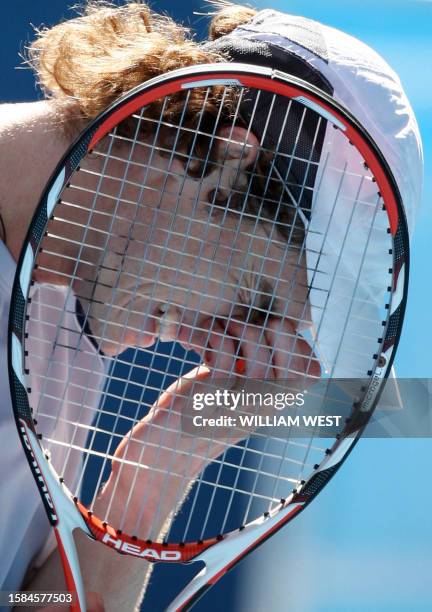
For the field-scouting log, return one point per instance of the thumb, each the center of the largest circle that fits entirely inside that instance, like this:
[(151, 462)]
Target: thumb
[(180, 388)]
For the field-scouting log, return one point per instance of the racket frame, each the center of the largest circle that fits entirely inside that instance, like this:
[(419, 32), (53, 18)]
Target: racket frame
[(222, 553)]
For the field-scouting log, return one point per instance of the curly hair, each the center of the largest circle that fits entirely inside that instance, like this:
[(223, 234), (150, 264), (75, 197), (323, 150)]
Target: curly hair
[(106, 51), (88, 62)]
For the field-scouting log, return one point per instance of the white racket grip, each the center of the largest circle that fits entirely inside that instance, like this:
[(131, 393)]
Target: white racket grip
[(220, 557), (68, 518)]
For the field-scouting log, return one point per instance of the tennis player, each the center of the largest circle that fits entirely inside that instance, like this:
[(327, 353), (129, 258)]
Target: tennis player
[(83, 65)]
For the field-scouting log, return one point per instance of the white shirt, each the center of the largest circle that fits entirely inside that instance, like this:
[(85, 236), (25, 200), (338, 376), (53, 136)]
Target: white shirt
[(367, 86), (23, 523), (25, 535)]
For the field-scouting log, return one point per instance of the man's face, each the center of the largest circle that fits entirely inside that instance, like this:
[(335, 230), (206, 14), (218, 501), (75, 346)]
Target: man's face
[(169, 259)]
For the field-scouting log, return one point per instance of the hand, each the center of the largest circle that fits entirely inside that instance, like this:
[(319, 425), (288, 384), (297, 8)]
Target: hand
[(157, 461)]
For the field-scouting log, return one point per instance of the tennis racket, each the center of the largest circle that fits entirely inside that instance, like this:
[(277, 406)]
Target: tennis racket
[(218, 225)]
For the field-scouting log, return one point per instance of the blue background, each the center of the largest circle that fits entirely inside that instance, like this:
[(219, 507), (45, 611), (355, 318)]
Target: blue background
[(366, 544)]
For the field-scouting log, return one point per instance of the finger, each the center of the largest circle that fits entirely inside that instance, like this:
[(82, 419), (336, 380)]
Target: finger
[(252, 349), (212, 342), (180, 389), (220, 354), (292, 356)]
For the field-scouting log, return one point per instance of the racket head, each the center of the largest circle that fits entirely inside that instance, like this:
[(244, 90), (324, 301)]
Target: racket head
[(325, 461)]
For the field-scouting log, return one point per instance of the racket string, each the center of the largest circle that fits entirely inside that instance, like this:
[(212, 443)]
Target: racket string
[(134, 143), (253, 472), (168, 468)]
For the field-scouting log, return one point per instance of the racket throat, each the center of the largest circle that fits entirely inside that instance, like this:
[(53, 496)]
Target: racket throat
[(64, 511), (71, 568), (225, 554)]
